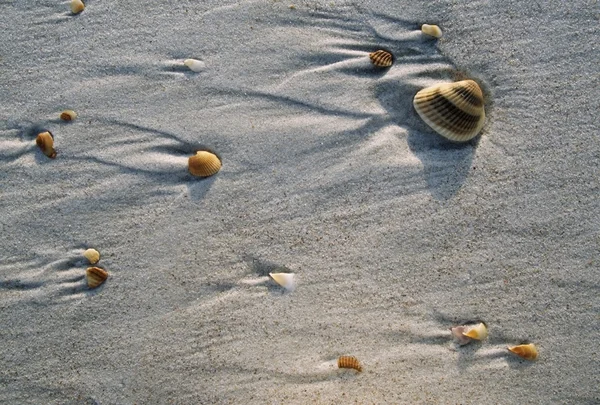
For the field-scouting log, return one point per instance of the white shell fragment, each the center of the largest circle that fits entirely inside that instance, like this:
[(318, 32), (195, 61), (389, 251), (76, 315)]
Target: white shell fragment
[(92, 255), (432, 30), (286, 280), (195, 65)]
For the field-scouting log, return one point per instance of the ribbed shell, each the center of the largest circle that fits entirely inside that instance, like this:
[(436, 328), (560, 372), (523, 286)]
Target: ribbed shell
[(45, 141), (95, 276), (204, 164), (528, 351), (454, 110), (92, 255), (349, 362), (382, 58)]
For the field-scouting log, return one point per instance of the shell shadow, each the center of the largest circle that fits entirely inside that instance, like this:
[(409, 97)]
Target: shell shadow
[(262, 268)]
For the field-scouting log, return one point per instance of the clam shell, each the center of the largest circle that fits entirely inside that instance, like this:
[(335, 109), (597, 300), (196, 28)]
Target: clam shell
[(95, 276), (453, 110), (77, 6), (528, 351), (68, 115), (194, 65), (204, 164), (286, 280), (349, 362), (432, 30), (45, 141), (92, 255), (382, 58), (477, 332)]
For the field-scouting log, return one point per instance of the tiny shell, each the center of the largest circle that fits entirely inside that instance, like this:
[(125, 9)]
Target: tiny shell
[(528, 351), (286, 280), (45, 141), (204, 164), (194, 65), (95, 276), (453, 110), (381, 58), (477, 332), (458, 333), (68, 115), (92, 255), (349, 362), (77, 6), (432, 30)]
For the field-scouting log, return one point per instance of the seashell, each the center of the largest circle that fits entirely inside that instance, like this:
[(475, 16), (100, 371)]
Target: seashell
[(349, 362), (382, 58), (92, 255), (432, 30), (458, 333), (204, 164), (477, 332), (95, 276), (528, 351), (68, 115), (77, 6), (45, 141), (453, 110), (194, 65), (286, 280)]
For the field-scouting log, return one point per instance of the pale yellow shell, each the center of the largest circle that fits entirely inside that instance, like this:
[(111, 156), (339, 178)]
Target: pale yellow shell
[(45, 142), (349, 362), (528, 351), (77, 6), (477, 332), (381, 58), (204, 164), (432, 30), (92, 255), (68, 115), (95, 276), (194, 65), (286, 280), (453, 110)]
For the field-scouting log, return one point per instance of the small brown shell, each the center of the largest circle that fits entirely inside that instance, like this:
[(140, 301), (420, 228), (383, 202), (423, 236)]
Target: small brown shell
[(92, 255), (528, 351), (204, 164), (68, 115), (95, 276), (382, 58), (453, 110), (349, 362), (45, 141), (77, 6), (432, 30)]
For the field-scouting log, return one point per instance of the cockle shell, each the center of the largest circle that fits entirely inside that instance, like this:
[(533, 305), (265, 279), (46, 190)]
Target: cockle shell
[(77, 6), (528, 351), (381, 58), (454, 110), (349, 362), (204, 164), (68, 115), (194, 65), (477, 332), (95, 276), (432, 30), (92, 255), (286, 280), (45, 141)]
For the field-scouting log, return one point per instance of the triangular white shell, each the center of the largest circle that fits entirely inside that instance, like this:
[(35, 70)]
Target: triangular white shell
[(286, 280), (195, 65)]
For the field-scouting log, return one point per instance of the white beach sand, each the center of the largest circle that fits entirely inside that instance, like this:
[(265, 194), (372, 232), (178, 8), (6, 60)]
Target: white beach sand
[(394, 233)]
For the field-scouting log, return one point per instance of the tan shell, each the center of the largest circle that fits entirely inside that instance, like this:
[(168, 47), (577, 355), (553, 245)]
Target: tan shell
[(68, 115), (453, 110), (45, 141), (477, 332), (204, 164), (432, 30), (528, 351), (77, 6), (349, 362), (382, 58), (95, 276), (92, 255)]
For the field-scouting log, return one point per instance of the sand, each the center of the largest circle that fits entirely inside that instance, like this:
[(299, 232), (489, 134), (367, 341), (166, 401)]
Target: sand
[(395, 234)]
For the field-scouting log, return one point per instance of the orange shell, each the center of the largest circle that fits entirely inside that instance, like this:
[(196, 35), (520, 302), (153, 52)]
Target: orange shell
[(528, 351), (45, 142), (349, 362), (68, 115), (382, 58), (77, 6), (204, 164), (95, 276)]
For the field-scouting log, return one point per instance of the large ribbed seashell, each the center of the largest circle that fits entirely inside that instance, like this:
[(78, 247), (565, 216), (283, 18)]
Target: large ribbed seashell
[(194, 65), (381, 58), (432, 30), (68, 115), (349, 362), (454, 110), (45, 141), (92, 255), (286, 280), (528, 351), (77, 6), (477, 332), (95, 276), (204, 164)]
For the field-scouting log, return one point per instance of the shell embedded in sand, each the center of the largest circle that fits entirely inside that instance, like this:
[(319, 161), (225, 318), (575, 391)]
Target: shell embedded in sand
[(95, 276), (349, 362), (432, 30), (68, 115), (77, 6), (458, 333), (528, 351), (286, 280), (477, 332), (194, 65), (453, 110), (381, 58), (45, 141), (204, 164), (92, 255)]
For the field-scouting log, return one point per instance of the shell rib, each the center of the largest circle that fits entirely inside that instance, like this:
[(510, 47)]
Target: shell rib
[(45, 141), (349, 362), (453, 110), (95, 276), (382, 58), (528, 351), (204, 164)]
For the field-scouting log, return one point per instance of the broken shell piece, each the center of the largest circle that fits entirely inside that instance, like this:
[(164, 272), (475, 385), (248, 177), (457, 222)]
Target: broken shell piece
[(45, 141), (286, 280), (528, 351), (194, 65), (453, 110), (458, 333), (92, 255), (204, 164), (68, 115), (95, 276), (77, 6), (477, 332), (381, 58), (349, 362), (432, 30)]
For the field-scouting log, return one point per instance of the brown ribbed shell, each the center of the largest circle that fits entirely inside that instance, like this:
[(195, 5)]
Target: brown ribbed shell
[(349, 362), (454, 110), (381, 58), (95, 276), (204, 164)]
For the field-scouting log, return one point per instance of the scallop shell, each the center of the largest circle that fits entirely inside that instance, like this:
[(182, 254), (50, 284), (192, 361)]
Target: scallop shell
[(528, 351), (77, 6), (194, 65), (95, 276), (68, 115), (204, 164), (45, 141), (286, 280), (349, 362), (477, 332), (454, 110), (432, 30), (382, 58), (92, 255), (458, 333)]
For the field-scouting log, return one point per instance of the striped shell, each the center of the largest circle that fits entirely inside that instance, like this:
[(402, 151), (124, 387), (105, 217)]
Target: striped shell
[(95, 276), (453, 110), (528, 351), (477, 332), (92, 255), (45, 141), (382, 58), (77, 6), (349, 362), (68, 115), (432, 30), (204, 164)]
